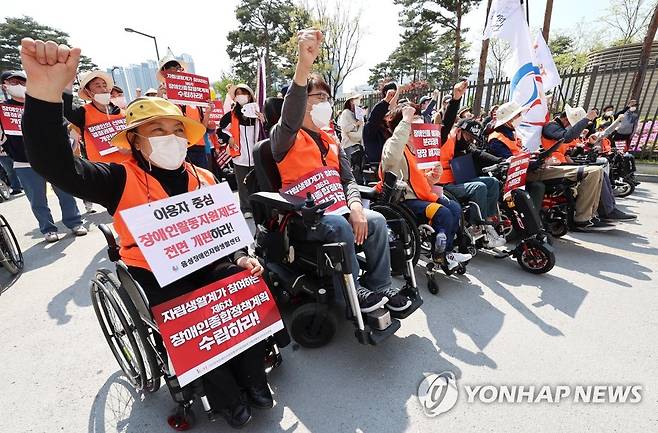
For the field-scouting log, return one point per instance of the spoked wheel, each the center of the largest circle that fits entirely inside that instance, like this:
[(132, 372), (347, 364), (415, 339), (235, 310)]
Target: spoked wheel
[(391, 213), (5, 191), (623, 188), (557, 228), (536, 257), (10, 252), (312, 325), (124, 332)]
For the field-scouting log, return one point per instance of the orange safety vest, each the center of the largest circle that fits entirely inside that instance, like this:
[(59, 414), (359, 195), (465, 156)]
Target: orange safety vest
[(417, 180), (92, 117), (142, 188), (447, 154), (304, 157), (194, 114), (235, 133), (560, 153), (606, 145), (513, 145)]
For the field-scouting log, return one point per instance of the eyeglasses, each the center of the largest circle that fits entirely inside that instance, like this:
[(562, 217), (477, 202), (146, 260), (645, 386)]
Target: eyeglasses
[(322, 97)]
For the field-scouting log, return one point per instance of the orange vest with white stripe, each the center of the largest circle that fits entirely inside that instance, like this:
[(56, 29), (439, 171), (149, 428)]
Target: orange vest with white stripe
[(142, 188), (304, 156), (561, 151), (94, 116), (194, 114), (234, 150), (513, 145), (417, 180)]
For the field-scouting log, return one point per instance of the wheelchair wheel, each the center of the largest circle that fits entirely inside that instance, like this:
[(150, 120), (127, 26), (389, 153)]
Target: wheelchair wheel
[(312, 325), (122, 330), (623, 188), (5, 191), (398, 212), (536, 258), (10, 252)]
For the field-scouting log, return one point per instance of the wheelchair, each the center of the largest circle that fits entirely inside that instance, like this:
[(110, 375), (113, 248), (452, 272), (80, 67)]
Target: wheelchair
[(11, 255), (130, 330), (301, 272), (390, 203)]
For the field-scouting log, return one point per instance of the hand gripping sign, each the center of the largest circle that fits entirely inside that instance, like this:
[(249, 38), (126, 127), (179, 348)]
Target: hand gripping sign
[(427, 142), (205, 328), (101, 134), (516, 173), (187, 89), (216, 111), (10, 118), (181, 234), (323, 184)]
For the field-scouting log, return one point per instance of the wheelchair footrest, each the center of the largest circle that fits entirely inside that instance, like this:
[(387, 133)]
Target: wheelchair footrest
[(376, 336), (415, 304)]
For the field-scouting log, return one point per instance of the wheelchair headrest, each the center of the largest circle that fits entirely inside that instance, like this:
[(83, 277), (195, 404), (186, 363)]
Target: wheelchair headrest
[(267, 172)]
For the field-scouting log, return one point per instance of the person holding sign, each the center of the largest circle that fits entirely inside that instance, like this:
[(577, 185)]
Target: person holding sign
[(13, 85), (156, 135), (99, 119), (301, 148), (240, 124), (399, 157), (33, 184), (351, 126)]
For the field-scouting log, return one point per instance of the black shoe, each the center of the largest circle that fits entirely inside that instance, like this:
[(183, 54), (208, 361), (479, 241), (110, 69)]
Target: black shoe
[(236, 416), (396, 301), (260, 397), (592, 226), (370, 301), (617, 215)]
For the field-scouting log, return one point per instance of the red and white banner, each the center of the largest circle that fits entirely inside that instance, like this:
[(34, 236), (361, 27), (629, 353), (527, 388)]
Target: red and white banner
[(181, 234), (516, 173), (205, 328), (101, 134), (427, 142), (216, 111), (10, 118), (324, 184), (187, 89)]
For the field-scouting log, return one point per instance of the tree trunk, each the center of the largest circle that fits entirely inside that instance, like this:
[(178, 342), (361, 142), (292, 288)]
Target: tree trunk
[(479, 88), (638, 78), (458, 36), (547, 19)]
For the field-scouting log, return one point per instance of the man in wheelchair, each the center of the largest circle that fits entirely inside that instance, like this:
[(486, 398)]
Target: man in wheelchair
[(443, 214), (299, 146), (157, 134)]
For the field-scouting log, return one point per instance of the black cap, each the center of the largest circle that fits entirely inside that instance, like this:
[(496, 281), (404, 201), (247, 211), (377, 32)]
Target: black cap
[(470, 125), (12, 74)]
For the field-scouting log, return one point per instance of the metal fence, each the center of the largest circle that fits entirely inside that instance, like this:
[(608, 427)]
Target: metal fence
[(590, 87)]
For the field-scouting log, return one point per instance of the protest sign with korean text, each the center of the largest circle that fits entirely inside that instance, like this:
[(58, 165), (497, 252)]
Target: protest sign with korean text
[(181, 234), (516, 173), (10, 118), (216, 108), (101, 133), (427, 142), (187, 89), (205, 328), (323, 184)]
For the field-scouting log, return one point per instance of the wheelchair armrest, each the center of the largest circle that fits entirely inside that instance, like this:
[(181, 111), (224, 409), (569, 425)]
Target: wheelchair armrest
[(368, 192), (287, 203)]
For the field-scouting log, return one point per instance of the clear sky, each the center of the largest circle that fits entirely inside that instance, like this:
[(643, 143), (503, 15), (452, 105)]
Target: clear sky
[(200, 28)]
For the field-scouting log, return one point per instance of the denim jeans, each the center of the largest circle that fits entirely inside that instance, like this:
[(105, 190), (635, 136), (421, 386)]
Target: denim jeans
[(35, 190), (336, 228), (483, 190), (446, 219), (8, 164)]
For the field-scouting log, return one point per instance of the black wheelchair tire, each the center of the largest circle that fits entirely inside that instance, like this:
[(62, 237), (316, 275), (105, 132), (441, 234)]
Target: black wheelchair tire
[(392, 212), (11, 255), (538, 249), (5, 191), (301, 320)]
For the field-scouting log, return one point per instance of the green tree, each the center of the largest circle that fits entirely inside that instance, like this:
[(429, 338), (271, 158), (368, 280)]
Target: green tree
[(221, 85), (565, 53), (15, 29), (264, 30)]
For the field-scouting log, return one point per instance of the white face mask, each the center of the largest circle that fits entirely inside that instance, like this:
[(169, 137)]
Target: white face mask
[(321, 114), (608, 113), (242, 99), (102, 98), (16, 91), (632, 109), (168, 151), (119, 101)]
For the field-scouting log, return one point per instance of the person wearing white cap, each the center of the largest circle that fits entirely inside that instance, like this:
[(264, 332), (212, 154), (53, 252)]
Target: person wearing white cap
[(95, 88)]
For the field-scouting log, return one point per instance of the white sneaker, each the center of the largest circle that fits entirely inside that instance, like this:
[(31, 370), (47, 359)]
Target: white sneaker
[(51, 237), (494, 240), (459, 257), (451, 263), (79, 230), (248, 215)]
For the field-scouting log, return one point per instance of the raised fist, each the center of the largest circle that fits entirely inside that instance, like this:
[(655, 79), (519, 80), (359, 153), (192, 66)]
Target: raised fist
[(459, 89), (49, 68), (309, 42)]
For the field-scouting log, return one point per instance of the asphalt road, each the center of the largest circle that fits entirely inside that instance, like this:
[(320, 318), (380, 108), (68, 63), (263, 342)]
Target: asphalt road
[(592, 321)]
